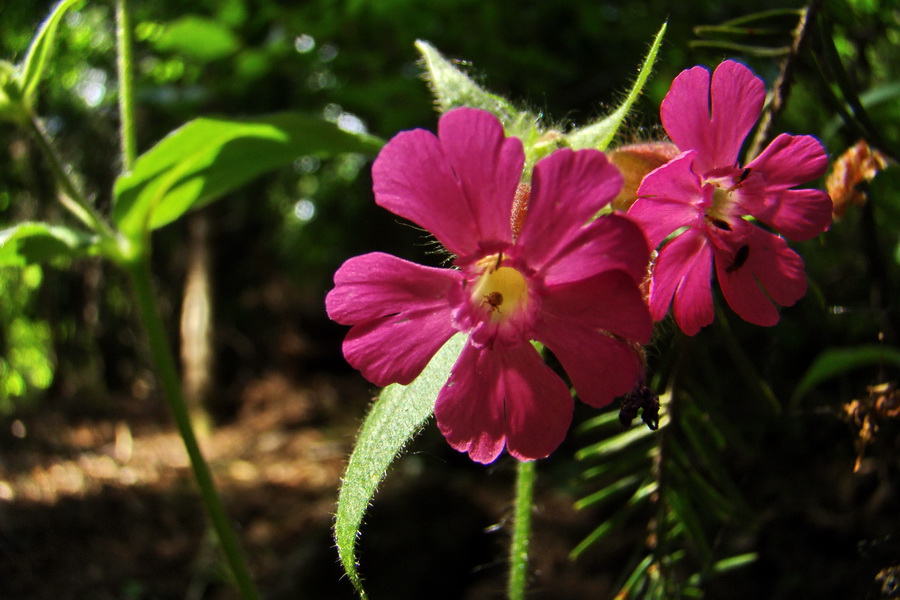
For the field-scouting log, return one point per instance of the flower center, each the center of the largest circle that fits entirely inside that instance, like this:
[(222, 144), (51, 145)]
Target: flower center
[(718, 214), (500, 292)]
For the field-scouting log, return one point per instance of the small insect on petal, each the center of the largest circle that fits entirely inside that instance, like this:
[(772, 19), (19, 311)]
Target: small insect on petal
[(740, 257)]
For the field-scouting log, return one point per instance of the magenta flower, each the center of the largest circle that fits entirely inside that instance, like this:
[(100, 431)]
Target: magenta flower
[(562, 279), (707, 192)]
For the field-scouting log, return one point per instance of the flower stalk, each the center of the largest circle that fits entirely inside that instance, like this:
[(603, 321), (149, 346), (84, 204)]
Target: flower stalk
[(139, 272), (126, 88), (71, 197), (518, 549)]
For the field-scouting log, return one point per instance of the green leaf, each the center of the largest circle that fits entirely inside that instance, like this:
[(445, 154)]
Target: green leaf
[(395, 418), (838, 361), (30, 242), (207, 158), (198, 38), (40, 49), (600, 134)]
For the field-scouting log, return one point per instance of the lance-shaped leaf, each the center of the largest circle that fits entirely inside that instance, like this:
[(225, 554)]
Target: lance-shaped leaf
[(396, 417), (41, 46), (207, 158), (30, 242), (601, 133)]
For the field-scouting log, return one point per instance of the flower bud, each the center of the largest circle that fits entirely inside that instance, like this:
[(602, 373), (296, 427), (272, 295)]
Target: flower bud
[(634, 162)]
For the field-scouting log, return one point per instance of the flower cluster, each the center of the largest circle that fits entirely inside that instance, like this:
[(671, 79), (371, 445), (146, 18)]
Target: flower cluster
[(532, 263), (562, 278), (705, 197)]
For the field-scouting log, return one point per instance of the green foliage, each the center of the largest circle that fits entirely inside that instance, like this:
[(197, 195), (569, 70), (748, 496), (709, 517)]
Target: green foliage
[(674, 480), (198, 38), (207, 158), (26, 364), (835, 362), (41, 47), (27, 243), (395, 418)]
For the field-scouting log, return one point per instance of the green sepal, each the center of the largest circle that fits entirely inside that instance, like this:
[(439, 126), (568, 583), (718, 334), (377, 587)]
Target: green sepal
[(599, 135), (395, 418)]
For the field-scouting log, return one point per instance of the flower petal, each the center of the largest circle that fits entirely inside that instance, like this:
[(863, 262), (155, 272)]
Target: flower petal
[(684, 270), (375, 285), (507, 396), (789, 161), (395, 348), (669, 198), (400, 312), (713, 117), (415, 177), (600, 367), (568, 189), (770, 272), (610, 301), (610, 242), (488, 165)]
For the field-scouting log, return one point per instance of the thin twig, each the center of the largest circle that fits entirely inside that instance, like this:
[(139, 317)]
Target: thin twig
[(782, 88)]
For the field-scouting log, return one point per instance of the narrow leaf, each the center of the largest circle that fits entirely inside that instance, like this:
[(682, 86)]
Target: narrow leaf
[(41, 46), (207, 158), (838, 361), (31, 242), (600, 134), (395, 418)]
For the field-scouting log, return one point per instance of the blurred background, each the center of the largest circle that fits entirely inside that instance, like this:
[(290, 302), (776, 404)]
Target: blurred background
[(96, 498)]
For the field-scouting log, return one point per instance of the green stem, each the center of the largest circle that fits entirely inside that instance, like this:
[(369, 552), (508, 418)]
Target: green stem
[(165, 364), (518, 551), (71, 198), (124, 63)]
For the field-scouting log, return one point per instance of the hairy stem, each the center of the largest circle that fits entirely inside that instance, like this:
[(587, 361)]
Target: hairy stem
[(518, 551), (71, 197), (126, 89), (165, 365)]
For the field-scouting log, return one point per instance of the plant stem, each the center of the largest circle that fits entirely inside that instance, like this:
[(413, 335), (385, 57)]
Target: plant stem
[(71, 197), (126, 89), (518, 551), (160, 351)]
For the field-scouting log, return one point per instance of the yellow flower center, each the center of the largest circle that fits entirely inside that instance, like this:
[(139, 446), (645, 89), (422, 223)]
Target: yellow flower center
[(720, 212), (499, 291)]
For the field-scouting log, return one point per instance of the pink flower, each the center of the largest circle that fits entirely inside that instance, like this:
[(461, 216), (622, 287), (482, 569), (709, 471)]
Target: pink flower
[(706, 191), (564, 280)]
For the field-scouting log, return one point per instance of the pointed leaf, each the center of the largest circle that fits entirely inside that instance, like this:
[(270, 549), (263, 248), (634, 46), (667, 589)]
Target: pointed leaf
[(30, 242), (600, 134), (41, 46), (207, 158), (395, 418)]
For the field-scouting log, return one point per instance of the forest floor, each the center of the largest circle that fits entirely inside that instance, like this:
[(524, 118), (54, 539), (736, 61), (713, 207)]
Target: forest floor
[(104, 507)]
